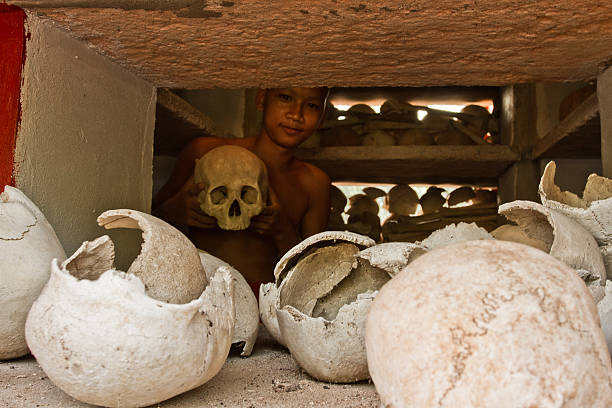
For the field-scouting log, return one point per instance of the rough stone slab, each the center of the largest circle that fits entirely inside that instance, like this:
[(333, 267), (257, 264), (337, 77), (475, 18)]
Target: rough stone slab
[(192, 44)]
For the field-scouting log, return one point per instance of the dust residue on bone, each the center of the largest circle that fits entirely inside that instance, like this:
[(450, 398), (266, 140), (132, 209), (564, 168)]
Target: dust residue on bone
[(10, 228)]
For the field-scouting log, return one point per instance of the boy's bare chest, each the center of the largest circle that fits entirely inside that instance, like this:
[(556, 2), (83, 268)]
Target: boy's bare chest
[(292, 195)]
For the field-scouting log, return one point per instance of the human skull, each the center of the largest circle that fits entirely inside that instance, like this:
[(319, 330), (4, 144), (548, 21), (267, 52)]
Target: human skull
[(487, 323), (402, 200), (28, 243), (378, 137), (103, 340), (476, 118), (236, 186)]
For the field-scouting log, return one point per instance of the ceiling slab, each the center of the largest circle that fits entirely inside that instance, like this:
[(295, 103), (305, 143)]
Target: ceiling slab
[(196, 44)]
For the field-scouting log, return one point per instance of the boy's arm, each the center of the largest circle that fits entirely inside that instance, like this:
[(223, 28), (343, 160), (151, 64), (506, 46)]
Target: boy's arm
[(273, 222), (317, 216), (177, 202)]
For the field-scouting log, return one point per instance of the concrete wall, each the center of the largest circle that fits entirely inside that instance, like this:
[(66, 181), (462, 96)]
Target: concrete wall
[(571, 174), (548, 98), (85, 144), (224, 106)]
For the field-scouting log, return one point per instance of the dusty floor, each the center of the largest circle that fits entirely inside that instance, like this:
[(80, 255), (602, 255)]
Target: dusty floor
[(268, 378)]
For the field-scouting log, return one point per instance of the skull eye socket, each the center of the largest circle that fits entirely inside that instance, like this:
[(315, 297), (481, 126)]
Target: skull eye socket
[(248, 194), (218, 195)]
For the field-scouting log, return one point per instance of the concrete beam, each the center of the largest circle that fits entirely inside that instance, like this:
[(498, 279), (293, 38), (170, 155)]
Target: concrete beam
[(604, 96)]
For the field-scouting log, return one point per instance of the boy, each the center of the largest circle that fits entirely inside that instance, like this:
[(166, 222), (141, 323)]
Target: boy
[(299, 192)]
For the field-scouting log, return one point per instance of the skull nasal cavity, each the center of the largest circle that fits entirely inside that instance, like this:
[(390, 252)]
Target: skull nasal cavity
[(234, 210)]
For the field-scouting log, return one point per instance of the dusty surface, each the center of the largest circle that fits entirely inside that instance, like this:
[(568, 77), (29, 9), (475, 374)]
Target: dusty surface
[(269, 378), (196, 44)]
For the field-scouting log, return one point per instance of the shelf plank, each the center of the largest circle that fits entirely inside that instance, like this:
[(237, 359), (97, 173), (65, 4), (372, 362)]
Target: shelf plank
[(177, 122), (576, 136), (412, 164)]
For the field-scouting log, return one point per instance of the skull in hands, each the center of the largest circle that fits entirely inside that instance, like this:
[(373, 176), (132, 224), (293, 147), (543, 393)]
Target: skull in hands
[(235, 186)]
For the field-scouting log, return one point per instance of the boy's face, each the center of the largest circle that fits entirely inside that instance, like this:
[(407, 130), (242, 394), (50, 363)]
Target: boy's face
[(291, 115)]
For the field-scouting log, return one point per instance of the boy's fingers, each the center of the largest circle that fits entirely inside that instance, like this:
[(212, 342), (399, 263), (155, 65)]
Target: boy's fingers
[(193, 188), (262, 219), (267, 211), (203, 221), (272, 197)]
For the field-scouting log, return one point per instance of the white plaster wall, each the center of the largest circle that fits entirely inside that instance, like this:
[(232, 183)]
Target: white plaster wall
[(85, 144)]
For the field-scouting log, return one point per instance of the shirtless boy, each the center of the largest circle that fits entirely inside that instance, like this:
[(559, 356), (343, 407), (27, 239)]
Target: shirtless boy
[(299, 192)]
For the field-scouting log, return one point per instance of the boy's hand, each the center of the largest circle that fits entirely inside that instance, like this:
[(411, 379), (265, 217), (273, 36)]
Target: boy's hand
[(184, 207)]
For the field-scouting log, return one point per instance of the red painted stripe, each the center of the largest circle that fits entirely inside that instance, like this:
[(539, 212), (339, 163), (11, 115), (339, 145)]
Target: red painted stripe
[(12, 50)]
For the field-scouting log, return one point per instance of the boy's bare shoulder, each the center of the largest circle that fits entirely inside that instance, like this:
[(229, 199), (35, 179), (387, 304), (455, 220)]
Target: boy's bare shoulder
[(312, 176)]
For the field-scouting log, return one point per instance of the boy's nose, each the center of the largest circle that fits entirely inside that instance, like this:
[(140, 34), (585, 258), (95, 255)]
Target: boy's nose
[(296, 113)]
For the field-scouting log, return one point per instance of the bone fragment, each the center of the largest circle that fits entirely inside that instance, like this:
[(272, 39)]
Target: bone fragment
[(28, 243), (105, 342), (168, 263), (565, 238), (487, 324), (593, 211), (247, 312)]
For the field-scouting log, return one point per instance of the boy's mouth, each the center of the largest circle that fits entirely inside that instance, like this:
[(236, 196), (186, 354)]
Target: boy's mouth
[(291, 130)]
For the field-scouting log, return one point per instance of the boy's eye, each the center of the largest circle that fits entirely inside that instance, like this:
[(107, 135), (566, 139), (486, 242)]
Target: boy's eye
[(284, 97), (314, 106)]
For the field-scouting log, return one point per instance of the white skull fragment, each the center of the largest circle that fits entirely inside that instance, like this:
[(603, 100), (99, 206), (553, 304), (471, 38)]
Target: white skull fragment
[(236, 186), (318, 305), (604, 308), (563, 238), (27, 245), (593, 211), (392, 257), (269, 294), (101, 339), (487, 324), (247, 313), (514, 233), (455, 233), (168, 264)]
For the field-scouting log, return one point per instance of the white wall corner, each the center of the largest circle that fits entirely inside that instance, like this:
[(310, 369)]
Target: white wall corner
[(85, 143)]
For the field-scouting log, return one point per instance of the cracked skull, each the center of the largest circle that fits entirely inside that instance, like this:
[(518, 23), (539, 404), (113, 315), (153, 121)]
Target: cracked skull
[(236, 186), (487, 323)]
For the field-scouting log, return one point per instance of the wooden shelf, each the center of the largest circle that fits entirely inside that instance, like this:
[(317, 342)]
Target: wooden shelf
[(576, 136), (477, 165), (177, 122)]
